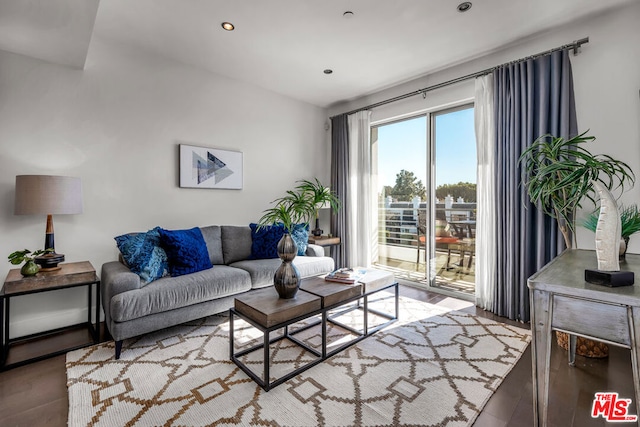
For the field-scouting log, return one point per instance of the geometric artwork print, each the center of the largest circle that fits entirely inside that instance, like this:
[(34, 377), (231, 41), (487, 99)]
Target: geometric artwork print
[(212, 167), (202, 167)]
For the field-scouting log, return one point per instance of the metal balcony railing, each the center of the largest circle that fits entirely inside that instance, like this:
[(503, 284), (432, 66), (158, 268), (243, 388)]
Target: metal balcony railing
[(398, 226)]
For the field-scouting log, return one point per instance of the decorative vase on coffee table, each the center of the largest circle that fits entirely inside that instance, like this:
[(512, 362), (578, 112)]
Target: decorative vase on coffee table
[(287, 279)]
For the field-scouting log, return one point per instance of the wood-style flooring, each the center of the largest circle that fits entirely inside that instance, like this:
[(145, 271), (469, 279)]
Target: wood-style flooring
[(36, 394)]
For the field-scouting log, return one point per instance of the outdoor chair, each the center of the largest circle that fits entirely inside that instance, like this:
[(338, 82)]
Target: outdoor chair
[(444, 238)]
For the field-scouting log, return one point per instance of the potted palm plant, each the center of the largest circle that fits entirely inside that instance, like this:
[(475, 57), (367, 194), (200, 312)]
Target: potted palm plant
[(318, 196), (559, 174), (297, 207), (630, 219)]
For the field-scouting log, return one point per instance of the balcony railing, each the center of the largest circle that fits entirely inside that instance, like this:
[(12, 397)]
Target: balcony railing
[(398, 224)]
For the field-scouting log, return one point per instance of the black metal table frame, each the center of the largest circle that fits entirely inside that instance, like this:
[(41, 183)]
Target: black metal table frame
[(5, 313), (322, 355)]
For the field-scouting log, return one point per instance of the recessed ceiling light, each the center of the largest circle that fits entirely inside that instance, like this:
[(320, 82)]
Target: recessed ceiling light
[(328, 71), (228, 26), (348, 14), (464, 6)]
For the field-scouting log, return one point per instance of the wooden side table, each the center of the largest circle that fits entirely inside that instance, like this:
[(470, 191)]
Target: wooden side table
[(325, 241), (70, 275)]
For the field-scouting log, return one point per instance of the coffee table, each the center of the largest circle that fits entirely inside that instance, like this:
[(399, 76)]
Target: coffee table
[(268, 313)]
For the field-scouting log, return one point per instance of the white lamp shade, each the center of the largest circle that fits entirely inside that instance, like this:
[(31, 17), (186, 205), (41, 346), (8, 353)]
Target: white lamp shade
[(48, 195)]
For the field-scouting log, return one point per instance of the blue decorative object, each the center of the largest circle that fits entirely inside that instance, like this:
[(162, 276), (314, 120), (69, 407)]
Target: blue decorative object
[(300, 235), (143, 254), (264, 241), (186, 250)]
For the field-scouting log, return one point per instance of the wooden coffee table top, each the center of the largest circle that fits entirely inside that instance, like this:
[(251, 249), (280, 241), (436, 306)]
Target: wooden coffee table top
[(265, 306), (331, 293)]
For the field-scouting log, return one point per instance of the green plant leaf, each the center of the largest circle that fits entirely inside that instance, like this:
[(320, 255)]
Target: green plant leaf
[(558, 175)]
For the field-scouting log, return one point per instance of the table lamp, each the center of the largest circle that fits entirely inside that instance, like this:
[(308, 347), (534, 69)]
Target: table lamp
[(48, 195)]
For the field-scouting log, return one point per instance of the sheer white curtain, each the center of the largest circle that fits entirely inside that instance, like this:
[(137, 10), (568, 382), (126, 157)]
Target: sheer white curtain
[(486, 250), (360, 205)]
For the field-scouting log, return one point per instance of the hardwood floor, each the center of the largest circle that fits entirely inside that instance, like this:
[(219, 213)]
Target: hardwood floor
[(36, 394)]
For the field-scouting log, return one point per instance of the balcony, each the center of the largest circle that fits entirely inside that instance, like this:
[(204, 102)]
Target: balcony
[(452, 267)]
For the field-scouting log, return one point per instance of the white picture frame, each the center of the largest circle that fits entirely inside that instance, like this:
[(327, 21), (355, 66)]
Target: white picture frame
[(203, 167)]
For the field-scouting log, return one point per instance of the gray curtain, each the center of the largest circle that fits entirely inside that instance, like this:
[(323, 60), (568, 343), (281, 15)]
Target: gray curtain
[(532, 98), (340, 185)]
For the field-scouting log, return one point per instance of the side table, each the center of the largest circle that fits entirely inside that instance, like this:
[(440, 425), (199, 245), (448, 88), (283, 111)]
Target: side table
[(70, 275), (325, 241), (561, 300)]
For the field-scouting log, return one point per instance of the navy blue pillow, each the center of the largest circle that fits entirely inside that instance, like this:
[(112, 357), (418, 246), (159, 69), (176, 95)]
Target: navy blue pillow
[(264, 242), (300, 235), (143, 255), (186, 250)]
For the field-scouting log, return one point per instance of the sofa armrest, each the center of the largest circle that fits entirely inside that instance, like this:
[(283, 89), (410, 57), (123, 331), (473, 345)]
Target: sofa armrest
[(314, 250), (115, 279)]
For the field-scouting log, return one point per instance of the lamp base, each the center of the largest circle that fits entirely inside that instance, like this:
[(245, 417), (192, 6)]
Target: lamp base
[(612, 279), (49, 261)]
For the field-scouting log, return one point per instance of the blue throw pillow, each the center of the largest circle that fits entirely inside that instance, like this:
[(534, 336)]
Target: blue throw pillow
[(186, 250), (300, 235), (143, 254), (264, 241)]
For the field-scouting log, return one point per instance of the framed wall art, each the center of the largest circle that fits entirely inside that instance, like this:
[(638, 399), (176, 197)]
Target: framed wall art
[(202, 167)]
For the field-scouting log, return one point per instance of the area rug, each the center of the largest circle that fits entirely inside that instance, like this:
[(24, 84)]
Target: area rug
[(434, 367)]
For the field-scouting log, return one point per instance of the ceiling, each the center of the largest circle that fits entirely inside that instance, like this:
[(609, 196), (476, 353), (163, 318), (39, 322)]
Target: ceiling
[(284, 45)]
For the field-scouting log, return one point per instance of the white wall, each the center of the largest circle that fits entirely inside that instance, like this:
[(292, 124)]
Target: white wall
[(117, 125), (606, 79)]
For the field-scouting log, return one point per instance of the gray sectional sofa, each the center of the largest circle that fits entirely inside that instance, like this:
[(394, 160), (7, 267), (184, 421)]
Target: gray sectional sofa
[(133, 309)]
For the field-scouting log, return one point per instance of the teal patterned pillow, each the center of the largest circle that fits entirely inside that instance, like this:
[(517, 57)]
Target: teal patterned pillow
[(143, 255), (300, 235)]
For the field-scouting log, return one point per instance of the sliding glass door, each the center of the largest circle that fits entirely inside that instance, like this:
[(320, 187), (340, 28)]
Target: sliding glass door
[(454, 166), (425, 173)]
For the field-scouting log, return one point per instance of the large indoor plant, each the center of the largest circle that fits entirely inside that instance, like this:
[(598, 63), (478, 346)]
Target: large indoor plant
[(292, 211), (558, 175)]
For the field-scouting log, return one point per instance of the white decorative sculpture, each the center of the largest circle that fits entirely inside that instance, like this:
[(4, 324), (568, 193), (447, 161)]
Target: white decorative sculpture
[(608, 230)]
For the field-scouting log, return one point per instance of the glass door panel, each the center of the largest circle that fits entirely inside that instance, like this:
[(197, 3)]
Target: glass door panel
[(453, 224)]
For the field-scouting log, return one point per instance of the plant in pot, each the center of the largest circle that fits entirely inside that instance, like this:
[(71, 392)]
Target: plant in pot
[(318, 196), (630, 219), (293, 211), (30, 268), (558, 175), (288, 211)]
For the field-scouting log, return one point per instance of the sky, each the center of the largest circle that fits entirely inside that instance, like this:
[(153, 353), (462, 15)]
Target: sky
[(403, 145)]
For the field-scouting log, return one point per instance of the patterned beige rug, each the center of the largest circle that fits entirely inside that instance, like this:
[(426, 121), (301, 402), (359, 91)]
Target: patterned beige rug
[(434, 367)]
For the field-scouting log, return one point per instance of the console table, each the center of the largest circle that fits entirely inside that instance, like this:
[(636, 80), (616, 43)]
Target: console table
[(70, 275), (562, 300)]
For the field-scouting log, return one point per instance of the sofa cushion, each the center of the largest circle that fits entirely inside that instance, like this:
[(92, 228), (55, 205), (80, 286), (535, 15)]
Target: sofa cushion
[(263, 270), (236, 243), (143, 255), (175, 292), (213, 238), (186, 250), (264, 240), (300, 235)]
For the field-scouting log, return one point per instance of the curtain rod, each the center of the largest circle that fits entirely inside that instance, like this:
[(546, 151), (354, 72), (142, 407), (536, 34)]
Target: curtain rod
[(575, 46)]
